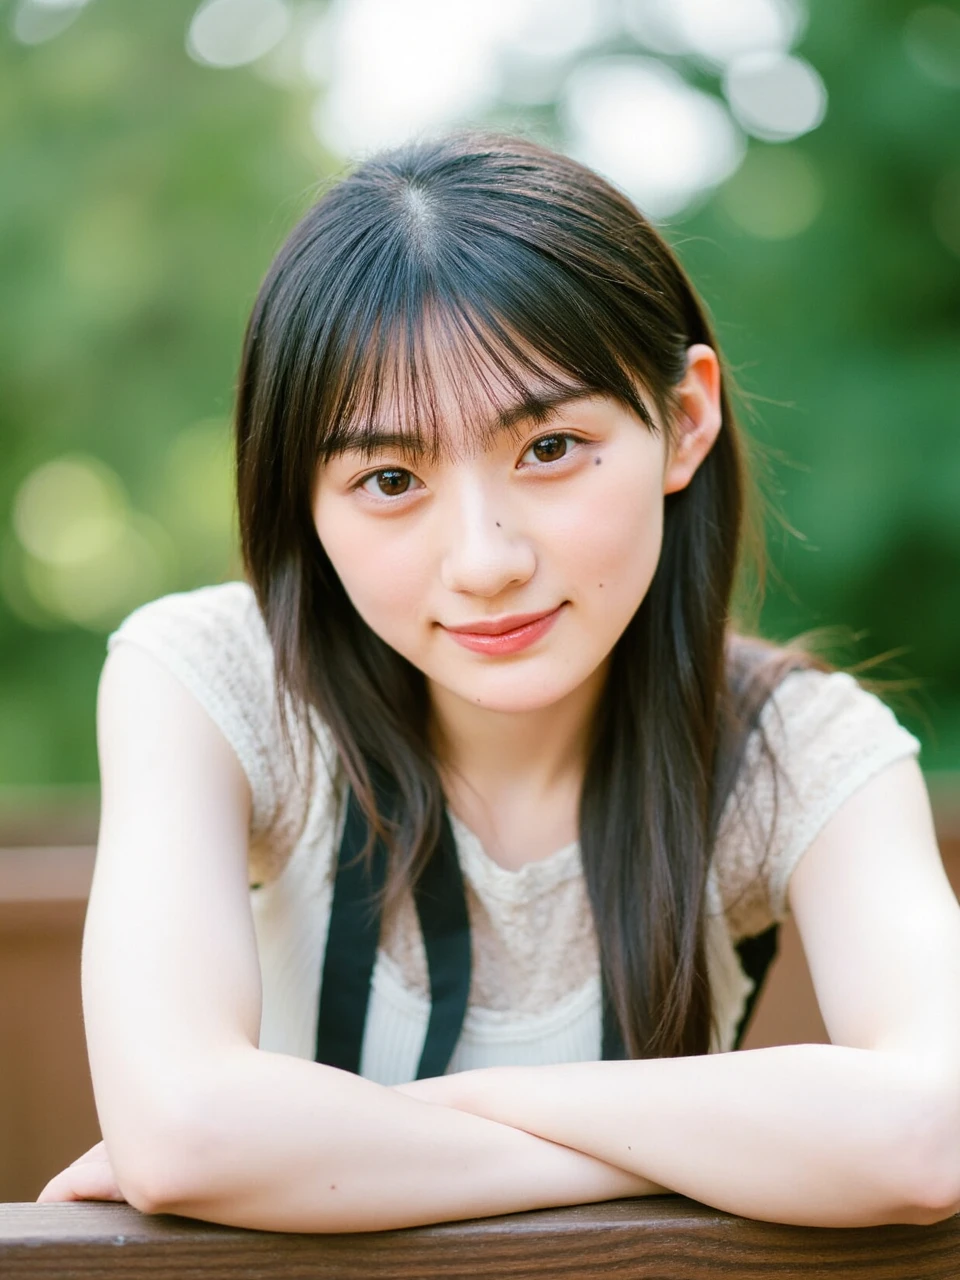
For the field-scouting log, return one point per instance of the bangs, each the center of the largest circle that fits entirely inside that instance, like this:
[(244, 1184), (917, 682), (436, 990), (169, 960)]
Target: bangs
[(398, 379)]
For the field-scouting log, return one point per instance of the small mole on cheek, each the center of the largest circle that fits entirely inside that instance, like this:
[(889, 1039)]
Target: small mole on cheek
[(333, 1186), (599, 584), (498, 524), (597, 461)]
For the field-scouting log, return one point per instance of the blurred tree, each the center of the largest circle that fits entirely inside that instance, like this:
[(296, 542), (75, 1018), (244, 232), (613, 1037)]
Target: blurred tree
[(142, 196), (852, 326)]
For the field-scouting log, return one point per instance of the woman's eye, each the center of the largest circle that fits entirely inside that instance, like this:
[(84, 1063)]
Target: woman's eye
[(551, 448), (391, 482)]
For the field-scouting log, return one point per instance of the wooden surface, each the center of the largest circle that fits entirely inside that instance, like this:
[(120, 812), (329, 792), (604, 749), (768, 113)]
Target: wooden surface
[(658, 1238)]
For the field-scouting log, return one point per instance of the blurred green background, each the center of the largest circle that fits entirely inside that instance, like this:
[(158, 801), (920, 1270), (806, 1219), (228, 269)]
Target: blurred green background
[(154, 156)]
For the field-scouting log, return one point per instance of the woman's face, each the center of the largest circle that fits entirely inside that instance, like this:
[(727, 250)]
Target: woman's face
[(565, 520)]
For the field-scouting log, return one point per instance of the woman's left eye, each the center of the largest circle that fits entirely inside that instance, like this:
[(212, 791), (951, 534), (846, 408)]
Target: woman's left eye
[(552, 448)]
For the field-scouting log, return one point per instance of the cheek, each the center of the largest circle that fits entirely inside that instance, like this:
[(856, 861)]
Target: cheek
[(380, 573), (616, 537)]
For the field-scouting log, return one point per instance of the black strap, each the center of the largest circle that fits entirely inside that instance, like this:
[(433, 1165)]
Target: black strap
[(354, 934), (756, 956), (611, 1042), (442, 909), (351, 950)]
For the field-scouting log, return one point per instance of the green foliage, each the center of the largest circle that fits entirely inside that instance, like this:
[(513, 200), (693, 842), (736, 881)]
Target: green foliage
[(852, 327), (142, 196)]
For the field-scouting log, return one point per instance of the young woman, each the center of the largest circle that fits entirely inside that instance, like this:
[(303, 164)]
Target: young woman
[(440, 864)]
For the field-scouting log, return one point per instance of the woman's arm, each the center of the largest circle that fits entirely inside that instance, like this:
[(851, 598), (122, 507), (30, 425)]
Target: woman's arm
[(196, 1119), (283, 1144), (862, 1131)]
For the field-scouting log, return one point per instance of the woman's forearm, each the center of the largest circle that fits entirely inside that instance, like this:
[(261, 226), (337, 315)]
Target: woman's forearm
[(818, 1135), (283, 1144)]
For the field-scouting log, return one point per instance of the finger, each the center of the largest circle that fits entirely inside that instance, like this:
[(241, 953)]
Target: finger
[(98, 1152), (92, 1180)]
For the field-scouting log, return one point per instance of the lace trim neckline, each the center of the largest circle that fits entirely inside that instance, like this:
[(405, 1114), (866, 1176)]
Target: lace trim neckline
[(518, 885)]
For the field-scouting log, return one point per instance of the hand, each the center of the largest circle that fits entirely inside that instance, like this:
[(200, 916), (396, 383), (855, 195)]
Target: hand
[(89, 1178)]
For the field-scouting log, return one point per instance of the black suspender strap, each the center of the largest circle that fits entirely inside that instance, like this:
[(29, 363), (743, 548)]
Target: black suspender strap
[(354, 934), (352, 938), (611, 1041), (442, 909), (756, 956)]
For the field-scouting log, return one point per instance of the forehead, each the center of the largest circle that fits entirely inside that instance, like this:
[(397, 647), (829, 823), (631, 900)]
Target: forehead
[(445, 389)]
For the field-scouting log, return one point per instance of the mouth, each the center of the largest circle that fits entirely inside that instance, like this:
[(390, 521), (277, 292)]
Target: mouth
[(505, 635), (501, 626)]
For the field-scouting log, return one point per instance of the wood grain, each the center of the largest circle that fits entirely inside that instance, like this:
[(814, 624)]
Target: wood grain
[(657, 1238)]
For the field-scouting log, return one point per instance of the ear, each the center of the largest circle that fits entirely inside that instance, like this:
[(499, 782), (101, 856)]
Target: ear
[(698, 419)]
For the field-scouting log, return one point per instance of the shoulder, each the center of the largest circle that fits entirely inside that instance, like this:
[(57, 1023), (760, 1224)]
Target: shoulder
[(806, 702), (820, 736), (214, 640), (209, 624)]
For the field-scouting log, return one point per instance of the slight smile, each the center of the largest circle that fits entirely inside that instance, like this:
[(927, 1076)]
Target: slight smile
[(519, 635)]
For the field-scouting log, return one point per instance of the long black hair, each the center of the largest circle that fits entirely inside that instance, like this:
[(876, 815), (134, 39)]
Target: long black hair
[(442, 261)]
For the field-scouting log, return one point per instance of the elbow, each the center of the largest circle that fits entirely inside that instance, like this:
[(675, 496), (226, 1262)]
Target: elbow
[(149, 1192), (167, 1163), (937, 1199), (938, 1192), (163, 1180), (930, 1153)]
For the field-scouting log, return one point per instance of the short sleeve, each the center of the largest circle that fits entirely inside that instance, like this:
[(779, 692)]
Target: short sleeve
[(214, 641), (828, 736)]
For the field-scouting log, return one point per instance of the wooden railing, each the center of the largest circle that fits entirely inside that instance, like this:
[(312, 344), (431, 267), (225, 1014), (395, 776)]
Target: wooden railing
[(657, 1238)]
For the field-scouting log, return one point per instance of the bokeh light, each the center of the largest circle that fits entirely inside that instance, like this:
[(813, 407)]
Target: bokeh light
[(230, 33), (775, 194), (35, 21), (642, 125), (931, 35), (550, 30), (775, 96), (194, 499), (88, 556), (717, 31), (400, 69)]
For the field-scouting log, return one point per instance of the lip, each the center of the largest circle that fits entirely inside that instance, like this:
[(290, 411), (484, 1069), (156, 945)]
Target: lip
[(499, 626), (505, 635)]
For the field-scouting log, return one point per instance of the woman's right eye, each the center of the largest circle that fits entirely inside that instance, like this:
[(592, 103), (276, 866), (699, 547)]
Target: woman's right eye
[(391, 482)]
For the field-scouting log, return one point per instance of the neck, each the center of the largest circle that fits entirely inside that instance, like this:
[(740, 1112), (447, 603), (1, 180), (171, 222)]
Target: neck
[(497, 754)]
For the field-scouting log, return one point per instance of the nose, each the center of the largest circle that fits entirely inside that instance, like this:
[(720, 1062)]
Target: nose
[(485, 552)]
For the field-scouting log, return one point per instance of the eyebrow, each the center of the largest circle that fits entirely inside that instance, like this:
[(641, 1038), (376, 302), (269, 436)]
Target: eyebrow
[(532, 408)]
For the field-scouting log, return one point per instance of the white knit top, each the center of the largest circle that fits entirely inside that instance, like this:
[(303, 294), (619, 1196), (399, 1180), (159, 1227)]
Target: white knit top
[(535, 986)]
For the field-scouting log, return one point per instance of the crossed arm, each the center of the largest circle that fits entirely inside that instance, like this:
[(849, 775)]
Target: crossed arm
[(199, 1121), (861, 1131)]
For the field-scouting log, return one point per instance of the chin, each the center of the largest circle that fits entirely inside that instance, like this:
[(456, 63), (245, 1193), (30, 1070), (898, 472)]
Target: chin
[(512, 695)]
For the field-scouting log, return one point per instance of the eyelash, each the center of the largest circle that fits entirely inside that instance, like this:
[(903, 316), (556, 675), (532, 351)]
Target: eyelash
[(553, 435)]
